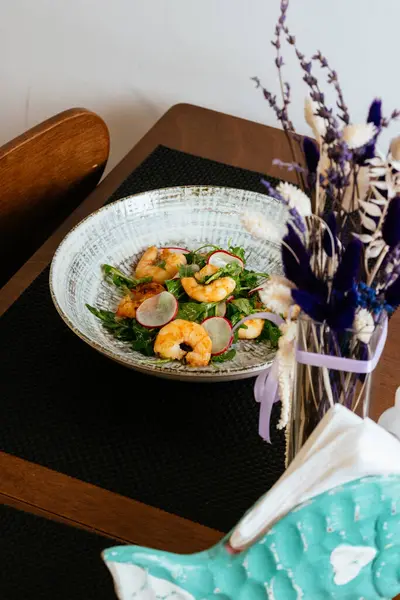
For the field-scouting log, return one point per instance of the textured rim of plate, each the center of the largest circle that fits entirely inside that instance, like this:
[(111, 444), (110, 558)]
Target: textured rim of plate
[(153, 369)]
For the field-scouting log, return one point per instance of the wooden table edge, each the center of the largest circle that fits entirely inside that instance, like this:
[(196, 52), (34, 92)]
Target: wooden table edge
[(30, 487)]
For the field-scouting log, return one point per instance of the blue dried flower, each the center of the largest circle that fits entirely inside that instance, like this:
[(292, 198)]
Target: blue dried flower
[(338, 313), (369, 299), (391, 226), (342, 310), (314, 306), (300, 272), (375, 112), (348, 269), (294, 270)]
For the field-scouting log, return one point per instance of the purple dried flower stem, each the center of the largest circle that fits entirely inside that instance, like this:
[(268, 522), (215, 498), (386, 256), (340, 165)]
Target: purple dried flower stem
[(281, 116), (298, 220), (333, 78), (332, 132), (393, 117), (316, 93), (282, 113), (286, 101), (290, 166)]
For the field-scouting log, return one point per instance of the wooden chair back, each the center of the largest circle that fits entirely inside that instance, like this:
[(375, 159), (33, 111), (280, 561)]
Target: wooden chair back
[(44, 175)]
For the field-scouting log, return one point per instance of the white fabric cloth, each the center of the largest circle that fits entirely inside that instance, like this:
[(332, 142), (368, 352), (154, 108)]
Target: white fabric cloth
[(342, 448)]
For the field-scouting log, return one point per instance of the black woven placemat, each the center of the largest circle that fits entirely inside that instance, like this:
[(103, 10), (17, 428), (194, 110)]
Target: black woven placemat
[(44, 560), (191, 449)]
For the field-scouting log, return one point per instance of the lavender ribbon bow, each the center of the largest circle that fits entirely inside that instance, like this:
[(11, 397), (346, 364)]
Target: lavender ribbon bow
[(266, 385)]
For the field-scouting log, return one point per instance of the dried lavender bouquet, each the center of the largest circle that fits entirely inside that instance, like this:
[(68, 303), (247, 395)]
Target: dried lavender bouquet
[(341, 253)]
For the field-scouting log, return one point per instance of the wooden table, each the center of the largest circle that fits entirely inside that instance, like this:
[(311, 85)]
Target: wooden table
[(39, 490)]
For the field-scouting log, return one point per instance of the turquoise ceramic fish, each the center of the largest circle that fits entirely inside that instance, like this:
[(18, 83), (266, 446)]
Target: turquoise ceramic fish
[(343, 544)]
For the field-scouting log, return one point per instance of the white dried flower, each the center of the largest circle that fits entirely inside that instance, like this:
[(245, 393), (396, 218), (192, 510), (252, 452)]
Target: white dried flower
[(276, 295), (363, 325), (395, 148), (259, 226), (316, 123), (286, 365), (296, 198), (357, 136)]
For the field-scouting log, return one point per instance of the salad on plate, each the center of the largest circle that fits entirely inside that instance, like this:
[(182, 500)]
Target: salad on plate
[(190, 306)]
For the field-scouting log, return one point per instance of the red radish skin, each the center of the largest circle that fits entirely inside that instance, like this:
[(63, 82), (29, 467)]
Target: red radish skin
[(230, 298), (225, 332), (219, 258), (148, 315)]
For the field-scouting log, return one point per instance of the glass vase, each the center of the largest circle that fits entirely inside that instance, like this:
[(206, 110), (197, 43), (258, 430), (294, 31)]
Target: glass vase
[(317, 388)]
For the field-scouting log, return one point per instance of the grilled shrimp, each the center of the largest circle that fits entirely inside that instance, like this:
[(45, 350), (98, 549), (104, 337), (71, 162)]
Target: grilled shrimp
[(211, 292), (147, 265), (178, 333), (254, 329), (129, 303), (206, 272)]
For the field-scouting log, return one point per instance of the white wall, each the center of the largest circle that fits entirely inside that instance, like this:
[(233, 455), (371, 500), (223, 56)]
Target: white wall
[(130, 60)]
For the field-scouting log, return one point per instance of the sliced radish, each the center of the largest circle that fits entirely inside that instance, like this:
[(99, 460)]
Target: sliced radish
[(176, 249), (158, 310), (221, 258), (230, 298), (220, 309), (220, 331)]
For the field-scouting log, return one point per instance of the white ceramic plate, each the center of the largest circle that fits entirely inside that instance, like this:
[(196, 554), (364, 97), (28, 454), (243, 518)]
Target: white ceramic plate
[(118, 233)]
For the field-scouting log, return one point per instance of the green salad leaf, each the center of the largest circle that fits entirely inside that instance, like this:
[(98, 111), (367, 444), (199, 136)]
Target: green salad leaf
[(232, 269), (119, 279), (174, 286), (243, 305), (237, 309), (238, 251), (247, 281), (128, 330), (228, 355), (187, 271), (196, 311), (270, 333), (199, 256)]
